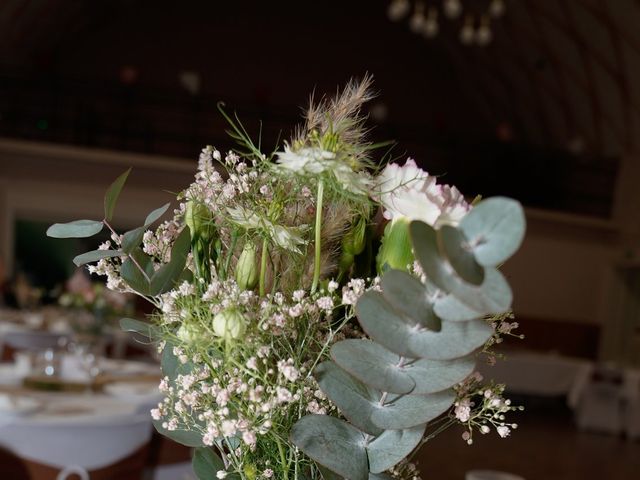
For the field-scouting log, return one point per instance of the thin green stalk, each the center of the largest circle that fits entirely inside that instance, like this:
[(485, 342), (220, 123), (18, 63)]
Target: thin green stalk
[(316, 268), (263, 267), (283, 459)]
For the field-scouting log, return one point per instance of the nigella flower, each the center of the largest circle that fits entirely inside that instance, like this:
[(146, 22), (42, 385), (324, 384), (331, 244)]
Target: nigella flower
[(288, 238), (410, 192), (313, 160)]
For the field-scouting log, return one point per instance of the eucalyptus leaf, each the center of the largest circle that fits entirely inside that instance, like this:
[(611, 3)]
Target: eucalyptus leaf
[(113, 192), (456, 248), (353, 398), (391, 448), (407, 411), (188, 438), (431, 376), (132, 239), (328, 474), (165, 278), (206, 463), (75, 229), (494, 229), (334, 444), (373, 365), (491, 297), (137, 326), (171, 365), (94, 256), (410, 297), (383, 325), (132, 275), (449, 308), (156, 214)]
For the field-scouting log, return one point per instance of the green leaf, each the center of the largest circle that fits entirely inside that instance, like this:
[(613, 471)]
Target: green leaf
[(449, 308), (383, 325), (407, 411), (132, 275), (171, 365), (433, 376), (132, 239), (113, 192), (328, 474), (380, 368), (373, 365), (165, 278), (333, 443), (494, 229), (206, 463), (354, 399), (491, 297), (137, 326), (75, 229), (156, 214), (455, 246), (410, 297), (379, 476), (94, 256), (391, 448), (188, 438)]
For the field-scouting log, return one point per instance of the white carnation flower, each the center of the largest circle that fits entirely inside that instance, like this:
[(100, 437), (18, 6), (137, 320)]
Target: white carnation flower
[(410, 192)]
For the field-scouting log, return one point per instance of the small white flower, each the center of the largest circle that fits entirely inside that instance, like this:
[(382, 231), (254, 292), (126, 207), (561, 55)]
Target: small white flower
[(503, 431), (221, 474)]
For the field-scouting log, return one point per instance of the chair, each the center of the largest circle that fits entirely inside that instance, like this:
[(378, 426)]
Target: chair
[(491, 475), (599, 407)]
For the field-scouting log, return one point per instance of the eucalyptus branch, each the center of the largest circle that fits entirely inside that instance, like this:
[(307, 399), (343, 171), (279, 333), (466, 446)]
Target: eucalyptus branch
[(133, 260)]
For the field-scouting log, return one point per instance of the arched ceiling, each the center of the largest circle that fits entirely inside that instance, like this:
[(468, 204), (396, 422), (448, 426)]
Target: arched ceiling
[(561, 77)]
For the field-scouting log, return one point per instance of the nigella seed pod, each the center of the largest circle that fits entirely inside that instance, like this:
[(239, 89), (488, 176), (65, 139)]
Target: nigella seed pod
[(197, 217), (247, 268), (229, 324), (395, 251)]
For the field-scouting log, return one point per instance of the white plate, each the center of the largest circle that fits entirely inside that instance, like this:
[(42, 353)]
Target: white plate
[(15, 405)]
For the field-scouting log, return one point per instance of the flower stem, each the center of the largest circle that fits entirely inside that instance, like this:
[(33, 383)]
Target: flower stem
[(316, 268), (263, 267), (283, 459)]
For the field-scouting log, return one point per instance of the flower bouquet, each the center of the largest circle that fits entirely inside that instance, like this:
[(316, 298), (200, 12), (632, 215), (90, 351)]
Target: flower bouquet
[(294, 343)]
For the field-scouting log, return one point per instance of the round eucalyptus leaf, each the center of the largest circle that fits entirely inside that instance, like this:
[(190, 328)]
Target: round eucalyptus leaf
[(391, 448), (490, 297), (206, 463), (494, 229), (381, 323), (406, 411), (433, 376), (410, 297), (450, 309), (94, 256), (333, 443), (354, 399), (461, 258), (373, 365)]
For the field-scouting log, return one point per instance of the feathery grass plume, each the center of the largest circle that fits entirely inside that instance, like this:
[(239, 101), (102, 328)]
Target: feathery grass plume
[(338, 122)]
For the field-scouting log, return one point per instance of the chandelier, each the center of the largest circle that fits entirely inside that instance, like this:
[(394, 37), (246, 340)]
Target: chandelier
[(423, 18)]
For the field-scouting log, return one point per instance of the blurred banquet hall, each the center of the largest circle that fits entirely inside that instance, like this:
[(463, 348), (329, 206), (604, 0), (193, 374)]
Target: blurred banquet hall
[(531, 99)]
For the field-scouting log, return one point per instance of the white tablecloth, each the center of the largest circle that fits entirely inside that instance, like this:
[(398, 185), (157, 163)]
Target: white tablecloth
[(87, 429)]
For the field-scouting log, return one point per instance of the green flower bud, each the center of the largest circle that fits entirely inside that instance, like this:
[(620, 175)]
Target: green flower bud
[(247, 269), (395, 251), (197, 217), (354, 241), (250, 471), (229, 324), (187, 334)]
